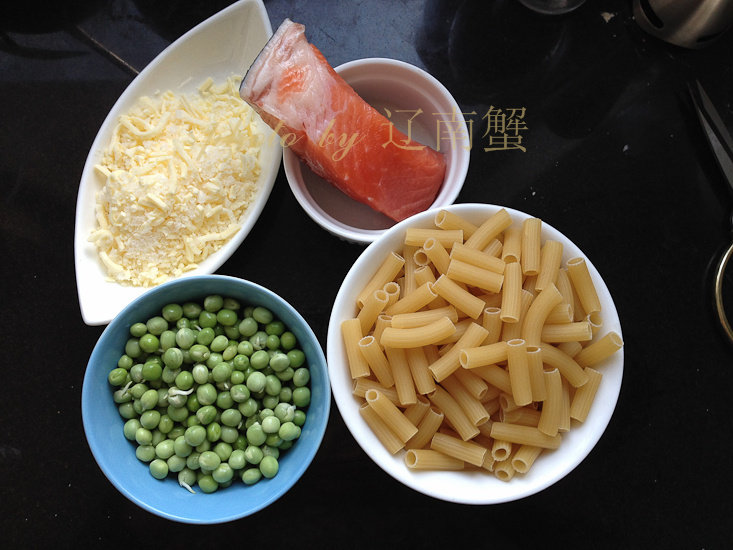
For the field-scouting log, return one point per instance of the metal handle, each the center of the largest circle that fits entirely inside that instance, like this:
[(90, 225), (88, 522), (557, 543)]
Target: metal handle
[(719, 274)]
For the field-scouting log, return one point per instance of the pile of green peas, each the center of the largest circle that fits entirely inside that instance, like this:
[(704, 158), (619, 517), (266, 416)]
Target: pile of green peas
[(212, 392)]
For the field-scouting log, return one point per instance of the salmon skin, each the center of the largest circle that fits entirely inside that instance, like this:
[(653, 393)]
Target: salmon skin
[(335, 132)]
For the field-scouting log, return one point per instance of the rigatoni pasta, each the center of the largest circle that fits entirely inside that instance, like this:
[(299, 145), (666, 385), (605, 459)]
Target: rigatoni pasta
[(476, 351)]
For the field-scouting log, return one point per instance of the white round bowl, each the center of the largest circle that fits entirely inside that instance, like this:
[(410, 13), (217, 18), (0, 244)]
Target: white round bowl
[(469, 487), (397, 86)]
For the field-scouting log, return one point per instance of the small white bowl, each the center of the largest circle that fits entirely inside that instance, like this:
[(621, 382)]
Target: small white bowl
[(182, 67), (469, 487), (395, 85)]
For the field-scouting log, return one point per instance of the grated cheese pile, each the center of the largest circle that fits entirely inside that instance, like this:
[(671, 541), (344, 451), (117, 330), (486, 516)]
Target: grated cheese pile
[(180, 173)]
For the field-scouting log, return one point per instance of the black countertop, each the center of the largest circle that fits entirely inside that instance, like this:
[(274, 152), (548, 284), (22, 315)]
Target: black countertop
[(615, 159)]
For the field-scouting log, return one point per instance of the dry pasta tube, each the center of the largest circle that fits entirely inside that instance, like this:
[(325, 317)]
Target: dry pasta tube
[(373, 306), (552, 406), (417, 299), (421, 375), (471, 406), (491, 321), (393, 292), (420, 258), (489, 230), (565, 410), (462, 450), (537, 313), (417, 410), (418, 336), (501, 450), (402, 377), (474, 276), (477, 258), (437, 254), (474, 385), (511, 294), (388, 271), (512, 250), (453, 413), (600, 350), (428, 459), (550, 260), (494, 248), (480, 356), (524, 458), (568, 366), (561, 313), (416, 236), (570, 348), (391, 415), (566, 332), (536, 373), (378, 363), (524, 435), (531, 239), (525, 416), (595, 321), (583, 285), (565, 286), (518, 369), (584, 396), (504, 470), (361, 385), (425, 317), (462, 299), (383, 321), (351, 333), (426, 429), (424, 274), (450, 361), (514, 330), (449, 220), (408, 253), (494, 375), (388, 438)]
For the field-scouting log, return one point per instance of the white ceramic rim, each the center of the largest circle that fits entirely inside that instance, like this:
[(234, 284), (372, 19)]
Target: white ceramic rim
[(456, 175), (462, 487)]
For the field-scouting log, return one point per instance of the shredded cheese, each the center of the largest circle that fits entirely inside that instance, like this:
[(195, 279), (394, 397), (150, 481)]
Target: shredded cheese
[(180, 172)]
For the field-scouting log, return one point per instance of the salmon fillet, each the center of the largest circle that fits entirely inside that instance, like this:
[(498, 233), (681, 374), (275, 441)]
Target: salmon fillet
[(335, 132)]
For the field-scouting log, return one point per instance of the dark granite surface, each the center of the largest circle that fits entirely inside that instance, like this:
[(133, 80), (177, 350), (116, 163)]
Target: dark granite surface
[(615, 159)]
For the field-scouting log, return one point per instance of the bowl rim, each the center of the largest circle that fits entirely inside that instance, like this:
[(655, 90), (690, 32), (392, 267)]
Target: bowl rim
[(88, 419), (347, 404), (447, 193)]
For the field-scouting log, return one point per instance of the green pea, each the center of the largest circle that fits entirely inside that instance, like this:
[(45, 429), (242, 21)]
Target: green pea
[(231, 417), (301, 377), (285, 412), (136, 373), (272, 385), (195, 435), (240, 362), (248, 327), (237, 378), (230, 352), (262, 315), (138, 329), (125, 362), (301, 397), (213, 432), (132, 348), (167, 339), (150, 419), (239, 393), (250, 476), (191, 310), (297, 358), (269, 466), (181, 447), (172, 312), (184, 380), (145, 453), (245, 348), (206, 394), (208, 484), (285, 445), (169, 375), (259, 360), (286, 395), (258, 340), (176, 432), (226, 317), (229, 434), (205, 336), (183, 322), (221, 372), (207, 319), (199, 353), (270, 425), (149, 399), (192, 420), (299, 418), (279, 361), (237, 459), (185, 338), (289, 431), (177, 414), (164, 449), (209, 460), (165, 425), (288, 340), (285, 375), (200, 373), (192, 403), (206, 414), (222, 473), (255, 434), (156, 325), (224, 400), (270, 401), (271, 449), (253, 454), (158, 468), (175, 463), (122, 395), (213, 302), (240, 442), (152, 371), (272, 342), (143, 436), (192, 460), (224, 450), (256, 382), (173, 358), (130, 427), (117, 376)]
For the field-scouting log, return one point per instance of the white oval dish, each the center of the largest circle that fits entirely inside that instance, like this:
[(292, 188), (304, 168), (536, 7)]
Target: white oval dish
[(225, 44), (470, 487), (397, 86)]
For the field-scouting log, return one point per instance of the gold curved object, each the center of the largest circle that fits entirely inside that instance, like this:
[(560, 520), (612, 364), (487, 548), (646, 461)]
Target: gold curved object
[(719, 274)]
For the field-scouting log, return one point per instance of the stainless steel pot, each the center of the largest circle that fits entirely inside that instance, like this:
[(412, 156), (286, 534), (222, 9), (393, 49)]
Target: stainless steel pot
[(687, 23)]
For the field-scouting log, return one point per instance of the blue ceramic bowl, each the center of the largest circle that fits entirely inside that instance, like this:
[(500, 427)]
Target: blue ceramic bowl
[(116, 455)]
